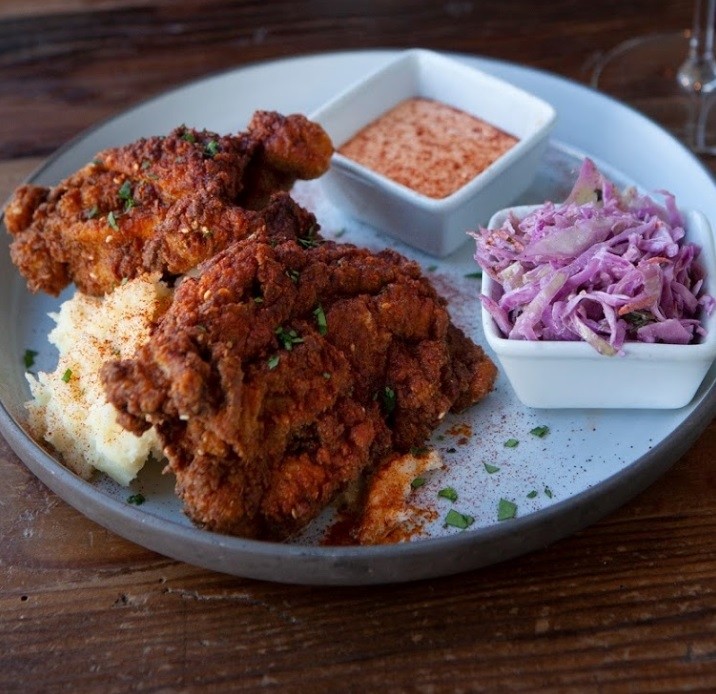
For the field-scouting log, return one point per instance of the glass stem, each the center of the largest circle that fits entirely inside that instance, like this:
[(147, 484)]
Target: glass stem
[(703, 70)]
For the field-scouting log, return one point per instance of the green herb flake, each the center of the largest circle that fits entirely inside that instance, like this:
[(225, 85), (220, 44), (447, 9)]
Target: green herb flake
[(540, 432), (91, 213), (307, 242), (293, 275), (146, 164), (638, 319), (125, 190), (387, 399), (211, 148), (506, 510), (511, 443), (288, 338), (125, 194), (431, 268), (448, 493), (417, 482), (258, 300), (310, 240), (112, 221), (136, 499), (532, 494), (454, 519), (548, 492), (491, 469), (473, 275), (327, 375), (321, 320), (419, 451), (67, 375), (188, 136), (339, 233), (272, 361), (28, 359)]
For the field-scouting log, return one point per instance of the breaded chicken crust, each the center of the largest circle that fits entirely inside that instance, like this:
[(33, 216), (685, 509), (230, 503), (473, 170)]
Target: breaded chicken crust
[(159, 204), (286, 371)]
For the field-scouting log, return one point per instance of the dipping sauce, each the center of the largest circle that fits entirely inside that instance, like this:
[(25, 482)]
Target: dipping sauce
[(428, 146)]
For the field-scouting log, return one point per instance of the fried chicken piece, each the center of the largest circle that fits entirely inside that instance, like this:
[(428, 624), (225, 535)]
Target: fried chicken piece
[(159, 204), (281, 374)]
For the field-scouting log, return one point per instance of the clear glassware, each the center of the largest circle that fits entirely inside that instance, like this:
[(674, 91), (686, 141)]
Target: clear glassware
[(671, 78)]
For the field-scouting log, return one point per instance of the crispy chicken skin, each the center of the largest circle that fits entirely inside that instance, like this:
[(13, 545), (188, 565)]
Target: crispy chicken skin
[(285, 371), (159, 204)]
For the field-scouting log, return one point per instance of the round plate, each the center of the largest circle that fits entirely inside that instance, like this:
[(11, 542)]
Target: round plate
[(590, 461)]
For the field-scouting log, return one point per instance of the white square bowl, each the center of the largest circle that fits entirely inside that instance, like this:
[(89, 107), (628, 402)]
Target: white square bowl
[(436, 226), (561, 374)]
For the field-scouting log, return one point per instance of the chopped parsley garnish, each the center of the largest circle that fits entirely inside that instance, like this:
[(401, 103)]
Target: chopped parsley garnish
[(339, 233), (67, 375), (211, 148), (272, 361), (293, 275), (540, 431), (432, 268), (506, 510), (548, 492), (387, 399), (28, 359), (125, 194), (310, 240), (491, 469), (454, 519), (418, 450), (511, 443), (188, 136), (473, 275), (146, 164), (448, 493), (136, 499), (532, 494), (112, 221), (288, 338), (327, 375), (637, 319), (417, 482), (321, 320), (91, 213)]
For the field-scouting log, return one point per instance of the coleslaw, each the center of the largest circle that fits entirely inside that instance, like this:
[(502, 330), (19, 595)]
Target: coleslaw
[(605, 266)]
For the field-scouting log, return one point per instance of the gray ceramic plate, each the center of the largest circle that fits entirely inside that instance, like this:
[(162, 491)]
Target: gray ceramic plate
[(591, 461)]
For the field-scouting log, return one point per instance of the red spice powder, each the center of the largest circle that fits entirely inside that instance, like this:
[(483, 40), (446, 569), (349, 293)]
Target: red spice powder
[(428, 146)]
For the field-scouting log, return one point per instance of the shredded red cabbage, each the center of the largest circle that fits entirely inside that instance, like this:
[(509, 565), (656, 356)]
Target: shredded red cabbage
[(604, 266)]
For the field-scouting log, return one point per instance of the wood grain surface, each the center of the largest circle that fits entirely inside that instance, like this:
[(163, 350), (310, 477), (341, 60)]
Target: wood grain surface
[(627, 605)]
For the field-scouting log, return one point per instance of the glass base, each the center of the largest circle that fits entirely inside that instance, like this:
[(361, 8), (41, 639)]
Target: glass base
[(641, 73)]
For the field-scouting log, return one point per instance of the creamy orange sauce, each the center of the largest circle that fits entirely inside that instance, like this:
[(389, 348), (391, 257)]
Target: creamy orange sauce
[(428, 146)]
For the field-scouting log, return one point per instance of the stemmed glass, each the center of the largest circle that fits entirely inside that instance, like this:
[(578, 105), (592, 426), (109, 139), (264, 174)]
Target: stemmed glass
[(671, 78)]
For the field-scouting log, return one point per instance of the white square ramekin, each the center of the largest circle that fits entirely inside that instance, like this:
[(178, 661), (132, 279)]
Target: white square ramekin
[(436, 226), (560, 374)]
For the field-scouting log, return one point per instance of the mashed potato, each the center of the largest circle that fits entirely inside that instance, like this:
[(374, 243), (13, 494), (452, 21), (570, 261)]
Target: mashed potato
[(69, 409)]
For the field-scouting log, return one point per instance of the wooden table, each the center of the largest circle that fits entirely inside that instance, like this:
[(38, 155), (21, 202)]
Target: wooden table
[(627, 605)]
